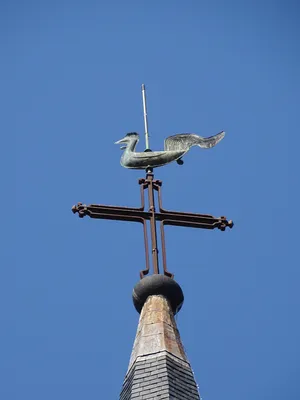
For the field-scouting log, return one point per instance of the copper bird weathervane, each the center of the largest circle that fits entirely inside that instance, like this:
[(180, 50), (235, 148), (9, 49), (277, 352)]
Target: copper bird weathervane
[(175, 147)]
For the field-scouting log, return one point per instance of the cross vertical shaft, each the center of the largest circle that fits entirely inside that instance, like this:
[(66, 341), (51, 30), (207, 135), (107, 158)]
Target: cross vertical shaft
[(153, 224)]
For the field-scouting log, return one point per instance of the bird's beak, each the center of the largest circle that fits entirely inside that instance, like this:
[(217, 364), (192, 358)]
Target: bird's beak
[(120, 141)]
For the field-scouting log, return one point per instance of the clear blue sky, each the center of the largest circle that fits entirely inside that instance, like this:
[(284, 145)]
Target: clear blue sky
[(71, 75)]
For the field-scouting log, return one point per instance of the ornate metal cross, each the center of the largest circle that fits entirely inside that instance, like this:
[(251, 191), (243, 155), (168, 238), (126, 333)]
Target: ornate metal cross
[(164, 217)]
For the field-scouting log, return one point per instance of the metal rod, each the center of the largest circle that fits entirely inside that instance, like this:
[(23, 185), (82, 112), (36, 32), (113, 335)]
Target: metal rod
[(153, 224), (164, 253), (145, 271), (145, 117)]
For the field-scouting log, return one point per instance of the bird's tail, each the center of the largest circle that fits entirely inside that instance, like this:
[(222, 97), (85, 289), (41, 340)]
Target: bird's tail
[(207, 143), (184, 141)]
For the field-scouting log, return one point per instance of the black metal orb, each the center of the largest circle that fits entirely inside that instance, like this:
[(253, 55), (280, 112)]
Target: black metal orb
[(158, 285)]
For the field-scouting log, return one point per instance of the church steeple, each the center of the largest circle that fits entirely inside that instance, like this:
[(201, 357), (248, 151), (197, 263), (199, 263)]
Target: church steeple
[(158, 367)]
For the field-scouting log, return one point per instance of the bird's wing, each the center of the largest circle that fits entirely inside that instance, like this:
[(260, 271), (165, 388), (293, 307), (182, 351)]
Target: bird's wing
[(184, 141)]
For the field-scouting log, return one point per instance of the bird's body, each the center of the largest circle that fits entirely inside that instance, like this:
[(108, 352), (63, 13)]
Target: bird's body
[(175, 147)]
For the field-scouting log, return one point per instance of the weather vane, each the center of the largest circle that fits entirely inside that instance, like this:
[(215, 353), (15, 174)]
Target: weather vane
[(175, 147)]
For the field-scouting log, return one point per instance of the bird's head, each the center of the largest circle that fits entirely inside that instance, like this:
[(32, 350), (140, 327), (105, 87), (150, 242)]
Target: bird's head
[(129, 138)]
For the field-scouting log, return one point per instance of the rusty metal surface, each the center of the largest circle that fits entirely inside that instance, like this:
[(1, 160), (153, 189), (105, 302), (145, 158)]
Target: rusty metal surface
[(165, 217)]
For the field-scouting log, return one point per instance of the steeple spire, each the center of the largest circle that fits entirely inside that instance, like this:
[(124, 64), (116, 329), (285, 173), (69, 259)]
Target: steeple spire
[(158, 367)]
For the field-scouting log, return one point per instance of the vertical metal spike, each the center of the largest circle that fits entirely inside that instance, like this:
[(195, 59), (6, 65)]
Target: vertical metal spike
[(145, 117)]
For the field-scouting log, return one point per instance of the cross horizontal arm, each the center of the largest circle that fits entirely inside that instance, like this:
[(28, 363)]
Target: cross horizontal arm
[(203, 221), (111, 212)]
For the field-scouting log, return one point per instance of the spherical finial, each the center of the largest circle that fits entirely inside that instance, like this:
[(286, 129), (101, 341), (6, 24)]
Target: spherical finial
[(158, 285)]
